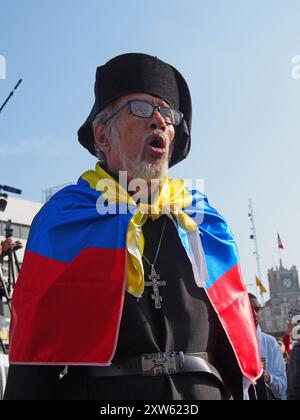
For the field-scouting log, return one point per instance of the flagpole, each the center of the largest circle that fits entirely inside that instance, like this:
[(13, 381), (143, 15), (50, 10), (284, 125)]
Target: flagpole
[(280, 248), (280, 260), (256, 253)]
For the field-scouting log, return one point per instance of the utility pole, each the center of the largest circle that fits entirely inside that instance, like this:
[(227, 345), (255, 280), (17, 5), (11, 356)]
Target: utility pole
[(254, 237)]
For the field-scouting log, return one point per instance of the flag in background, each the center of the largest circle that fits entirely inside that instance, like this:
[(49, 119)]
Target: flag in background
[(280, 245), (260, 286)]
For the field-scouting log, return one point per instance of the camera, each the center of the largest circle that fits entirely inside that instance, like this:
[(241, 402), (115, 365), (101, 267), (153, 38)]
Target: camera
[(3, 197), (3, 202), (8, 229)]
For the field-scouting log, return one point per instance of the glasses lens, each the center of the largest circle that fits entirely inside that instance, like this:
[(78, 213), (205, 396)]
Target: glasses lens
[(145, 109), (141, 109), (171, 116)]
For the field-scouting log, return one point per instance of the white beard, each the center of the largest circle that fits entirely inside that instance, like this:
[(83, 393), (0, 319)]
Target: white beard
[(138, 168)]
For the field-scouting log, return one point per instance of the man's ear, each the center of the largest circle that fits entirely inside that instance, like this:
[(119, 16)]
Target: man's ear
[(101, 139)]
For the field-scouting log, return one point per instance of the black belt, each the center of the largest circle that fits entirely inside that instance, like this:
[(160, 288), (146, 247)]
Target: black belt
[(154, 364)]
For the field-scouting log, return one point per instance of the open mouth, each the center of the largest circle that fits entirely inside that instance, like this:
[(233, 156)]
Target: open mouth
[(157, 145)]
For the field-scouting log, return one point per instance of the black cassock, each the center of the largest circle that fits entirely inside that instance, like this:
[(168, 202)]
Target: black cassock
[(186, 322)]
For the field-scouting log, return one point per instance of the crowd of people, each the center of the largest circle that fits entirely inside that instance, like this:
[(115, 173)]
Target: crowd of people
[(281, 360)]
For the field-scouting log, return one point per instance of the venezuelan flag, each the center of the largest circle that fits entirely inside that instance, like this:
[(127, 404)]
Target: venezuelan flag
[(68, 301), (227, 292)]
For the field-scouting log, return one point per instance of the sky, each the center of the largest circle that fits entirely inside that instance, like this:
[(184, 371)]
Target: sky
[(239, 60)]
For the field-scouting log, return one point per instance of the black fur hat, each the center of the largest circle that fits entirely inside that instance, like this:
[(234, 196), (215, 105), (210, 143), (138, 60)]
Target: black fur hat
[(141, 73)]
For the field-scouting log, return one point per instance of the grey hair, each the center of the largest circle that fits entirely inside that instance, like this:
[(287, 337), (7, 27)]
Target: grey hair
[(99, 119)]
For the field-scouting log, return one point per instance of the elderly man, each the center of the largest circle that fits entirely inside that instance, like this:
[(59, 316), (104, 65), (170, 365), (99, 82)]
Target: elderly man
[(131, 284)]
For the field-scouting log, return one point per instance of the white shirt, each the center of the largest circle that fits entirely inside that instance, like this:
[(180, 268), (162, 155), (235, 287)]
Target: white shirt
[(3, 373), (273, 363)]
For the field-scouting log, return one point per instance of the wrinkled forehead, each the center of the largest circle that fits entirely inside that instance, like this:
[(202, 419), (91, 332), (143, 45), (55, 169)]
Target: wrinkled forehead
[(155, 100)]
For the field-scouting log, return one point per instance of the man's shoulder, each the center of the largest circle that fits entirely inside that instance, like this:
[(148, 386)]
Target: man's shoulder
[(296, 347), (270, 339)]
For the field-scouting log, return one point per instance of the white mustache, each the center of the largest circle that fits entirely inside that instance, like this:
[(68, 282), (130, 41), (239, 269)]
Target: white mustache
[(156, 134)]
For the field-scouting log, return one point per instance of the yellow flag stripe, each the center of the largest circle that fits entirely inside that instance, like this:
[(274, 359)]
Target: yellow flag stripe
[(172, 198)]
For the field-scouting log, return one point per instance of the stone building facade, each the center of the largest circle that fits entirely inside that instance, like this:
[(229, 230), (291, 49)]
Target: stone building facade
[(284, 299)]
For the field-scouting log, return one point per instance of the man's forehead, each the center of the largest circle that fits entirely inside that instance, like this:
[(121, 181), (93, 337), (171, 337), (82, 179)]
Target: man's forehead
[(142, 96)]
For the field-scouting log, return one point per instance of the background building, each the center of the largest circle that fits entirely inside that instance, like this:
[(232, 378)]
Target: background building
[(284, 299)]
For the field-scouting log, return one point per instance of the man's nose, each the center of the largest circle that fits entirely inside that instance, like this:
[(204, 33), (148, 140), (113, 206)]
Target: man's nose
[(157, 121)]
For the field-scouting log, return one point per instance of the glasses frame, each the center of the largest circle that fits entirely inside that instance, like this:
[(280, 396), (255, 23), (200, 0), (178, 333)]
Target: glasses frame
[(154, 108)]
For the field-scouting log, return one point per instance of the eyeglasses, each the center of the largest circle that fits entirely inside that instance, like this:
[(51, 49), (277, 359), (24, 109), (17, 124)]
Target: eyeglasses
[(145, 109)]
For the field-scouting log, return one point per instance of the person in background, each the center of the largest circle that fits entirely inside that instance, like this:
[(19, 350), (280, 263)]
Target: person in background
[(274, 366), (5, 246), (284, 352), (287, 339), (293, 390)]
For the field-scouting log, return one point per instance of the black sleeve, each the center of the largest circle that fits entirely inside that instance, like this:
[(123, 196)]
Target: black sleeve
[(227, 365), (32, 382), (293, 392)]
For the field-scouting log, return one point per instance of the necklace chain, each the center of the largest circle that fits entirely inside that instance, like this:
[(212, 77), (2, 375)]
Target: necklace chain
[(158, 248)]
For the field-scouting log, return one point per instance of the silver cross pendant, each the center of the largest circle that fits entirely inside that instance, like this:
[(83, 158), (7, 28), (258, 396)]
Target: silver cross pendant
[(154, 282)]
